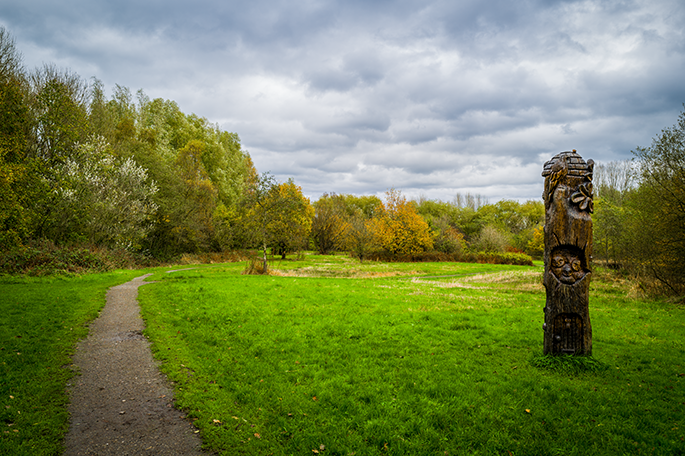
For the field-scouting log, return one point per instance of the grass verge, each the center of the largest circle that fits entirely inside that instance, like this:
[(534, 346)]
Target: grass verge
[(334, 357)]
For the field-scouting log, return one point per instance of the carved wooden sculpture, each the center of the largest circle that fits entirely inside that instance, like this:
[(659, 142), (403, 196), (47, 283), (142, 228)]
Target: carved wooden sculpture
[(568, 249)]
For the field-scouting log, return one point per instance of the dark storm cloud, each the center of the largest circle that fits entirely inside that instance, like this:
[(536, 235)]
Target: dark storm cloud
[(432, 97)]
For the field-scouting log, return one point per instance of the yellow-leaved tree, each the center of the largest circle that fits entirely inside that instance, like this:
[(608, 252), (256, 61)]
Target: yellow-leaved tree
[(275, 215), (536, 246), (399, 229), (292, 221)]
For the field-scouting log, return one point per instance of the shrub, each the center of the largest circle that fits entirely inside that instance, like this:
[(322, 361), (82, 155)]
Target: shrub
[(255, 266), (213, 257), (520, 259), (446, 238), (45, 258), (492, 239)]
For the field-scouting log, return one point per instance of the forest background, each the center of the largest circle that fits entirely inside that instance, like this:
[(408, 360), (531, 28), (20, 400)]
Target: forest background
[(90, 182)]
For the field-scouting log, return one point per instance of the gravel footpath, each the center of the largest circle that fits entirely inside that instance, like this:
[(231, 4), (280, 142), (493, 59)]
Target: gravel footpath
[(120, 403)]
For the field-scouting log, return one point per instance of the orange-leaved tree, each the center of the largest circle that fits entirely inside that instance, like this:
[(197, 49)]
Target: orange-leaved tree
[(399, 229)]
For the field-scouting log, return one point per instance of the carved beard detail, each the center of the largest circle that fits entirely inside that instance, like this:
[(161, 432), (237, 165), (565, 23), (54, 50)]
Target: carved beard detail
[(566, 267)]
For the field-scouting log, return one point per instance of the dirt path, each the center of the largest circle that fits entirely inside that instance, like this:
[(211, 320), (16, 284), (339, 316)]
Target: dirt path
[(121, 404)]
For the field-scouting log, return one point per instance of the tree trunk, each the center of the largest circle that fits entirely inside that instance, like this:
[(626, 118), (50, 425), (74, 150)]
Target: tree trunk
[(264, 257)]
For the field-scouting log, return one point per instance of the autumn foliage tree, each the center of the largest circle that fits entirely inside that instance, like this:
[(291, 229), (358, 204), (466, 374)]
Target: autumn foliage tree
[(331, 225), (360, 238), (275, 215), (291, 222), (399, 229), (536, 245)]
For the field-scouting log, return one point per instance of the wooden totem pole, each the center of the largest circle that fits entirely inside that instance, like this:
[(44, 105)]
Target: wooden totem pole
[(568, 250)]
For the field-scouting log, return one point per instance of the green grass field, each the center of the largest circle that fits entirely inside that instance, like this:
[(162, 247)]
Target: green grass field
[(339, 358), (333, 357)]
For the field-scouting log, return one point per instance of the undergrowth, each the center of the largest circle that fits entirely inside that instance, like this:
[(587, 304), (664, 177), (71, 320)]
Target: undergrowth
[(44, 258)]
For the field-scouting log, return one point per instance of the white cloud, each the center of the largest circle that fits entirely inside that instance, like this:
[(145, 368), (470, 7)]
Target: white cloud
[(431, 97)]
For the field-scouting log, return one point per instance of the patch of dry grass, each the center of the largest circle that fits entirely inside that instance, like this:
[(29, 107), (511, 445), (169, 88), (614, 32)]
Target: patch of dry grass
[(506, 277), (212, 258)]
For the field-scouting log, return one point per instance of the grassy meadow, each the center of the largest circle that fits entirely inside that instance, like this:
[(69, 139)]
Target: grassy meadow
[(330, 356)]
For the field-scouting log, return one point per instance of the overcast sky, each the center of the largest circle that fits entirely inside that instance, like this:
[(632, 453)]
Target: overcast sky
[(430, 97)]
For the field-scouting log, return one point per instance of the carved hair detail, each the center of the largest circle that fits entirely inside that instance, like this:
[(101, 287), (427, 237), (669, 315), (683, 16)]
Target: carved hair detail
[(563, 166)]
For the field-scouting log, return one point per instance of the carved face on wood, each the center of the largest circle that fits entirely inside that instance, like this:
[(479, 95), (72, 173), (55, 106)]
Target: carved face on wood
[(567, 266)]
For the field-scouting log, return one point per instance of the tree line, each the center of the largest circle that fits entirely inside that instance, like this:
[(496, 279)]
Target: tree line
[(133, 173), (126, 172)]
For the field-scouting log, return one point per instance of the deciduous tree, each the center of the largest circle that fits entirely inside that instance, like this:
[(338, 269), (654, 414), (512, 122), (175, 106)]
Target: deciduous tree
[(292, 223), (659, 203), (17, 179), (331, 223), (276, 214), (399, 229), (361, 239), (109, 199)]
